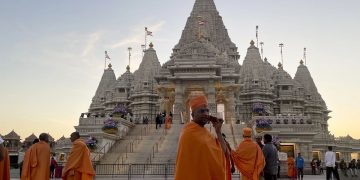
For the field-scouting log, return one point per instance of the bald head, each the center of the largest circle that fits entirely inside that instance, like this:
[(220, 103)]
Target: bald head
[(74, 136), (44, 137)]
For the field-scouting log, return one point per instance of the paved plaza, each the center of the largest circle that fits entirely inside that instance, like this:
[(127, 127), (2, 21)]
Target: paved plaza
[(306, 177)]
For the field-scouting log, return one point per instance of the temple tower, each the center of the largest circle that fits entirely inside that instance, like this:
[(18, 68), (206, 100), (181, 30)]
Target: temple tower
[(205, 61)]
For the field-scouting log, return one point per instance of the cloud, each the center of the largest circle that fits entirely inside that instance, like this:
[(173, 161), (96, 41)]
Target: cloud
[(93, 39), (137, 36)]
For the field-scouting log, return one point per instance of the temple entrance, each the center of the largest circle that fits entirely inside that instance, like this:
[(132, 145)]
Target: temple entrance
[(191, 92)]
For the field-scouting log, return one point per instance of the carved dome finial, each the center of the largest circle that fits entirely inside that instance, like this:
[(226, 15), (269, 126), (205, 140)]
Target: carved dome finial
[(252, 43)]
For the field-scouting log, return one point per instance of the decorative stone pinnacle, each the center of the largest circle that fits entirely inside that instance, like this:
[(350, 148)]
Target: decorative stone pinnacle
[(265, 59), (151, 45), (301, 62), (280, 65), (252, 43), (109, 65), (127, 68)]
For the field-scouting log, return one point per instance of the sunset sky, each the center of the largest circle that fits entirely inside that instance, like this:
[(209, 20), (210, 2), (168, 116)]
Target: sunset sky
[(52, 52)]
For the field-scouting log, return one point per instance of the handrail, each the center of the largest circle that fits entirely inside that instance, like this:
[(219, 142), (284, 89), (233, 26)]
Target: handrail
[(100, 152), (155, 148)]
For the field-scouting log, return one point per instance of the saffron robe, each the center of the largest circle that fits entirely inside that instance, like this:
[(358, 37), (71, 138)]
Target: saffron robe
[(78, 165), (5, 166), (168, 122), (249, 159), (199, 155), (36, 165), (291, 167)]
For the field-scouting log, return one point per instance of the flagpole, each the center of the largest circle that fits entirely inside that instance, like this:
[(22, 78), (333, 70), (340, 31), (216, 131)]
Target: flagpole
[(105, 60), (281, 45), (262, 52), (145, 37), (129, 49), (257, 38), (305, 55)]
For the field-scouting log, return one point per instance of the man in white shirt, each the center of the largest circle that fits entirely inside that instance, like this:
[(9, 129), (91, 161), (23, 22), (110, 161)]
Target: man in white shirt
[(330, 159)]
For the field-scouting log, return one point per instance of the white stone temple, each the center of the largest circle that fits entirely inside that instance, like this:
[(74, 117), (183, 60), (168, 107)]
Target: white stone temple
[(244, 92)]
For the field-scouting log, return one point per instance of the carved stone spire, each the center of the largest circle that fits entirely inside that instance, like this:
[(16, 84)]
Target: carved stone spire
[(204, 14)]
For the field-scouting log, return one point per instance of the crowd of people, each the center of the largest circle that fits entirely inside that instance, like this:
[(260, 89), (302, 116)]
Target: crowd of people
[(200, 155), (203, 156), (38, 164)]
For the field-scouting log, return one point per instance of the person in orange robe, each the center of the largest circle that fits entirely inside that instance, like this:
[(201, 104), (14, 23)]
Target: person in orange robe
[(27, 154), (248, 157), (291, 167), (36, 165), (78, 165), (201, 156), (168, 122), (4, 162)]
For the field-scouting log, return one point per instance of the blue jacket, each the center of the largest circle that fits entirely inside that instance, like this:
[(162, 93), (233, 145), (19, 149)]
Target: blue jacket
[(299, 162)]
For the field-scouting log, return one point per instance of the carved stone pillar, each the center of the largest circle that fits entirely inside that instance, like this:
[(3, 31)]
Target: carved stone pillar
[(211, 98), (230, 117), (178, 103)]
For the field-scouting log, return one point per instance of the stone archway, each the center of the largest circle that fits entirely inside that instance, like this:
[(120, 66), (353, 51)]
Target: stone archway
[(190, 92)]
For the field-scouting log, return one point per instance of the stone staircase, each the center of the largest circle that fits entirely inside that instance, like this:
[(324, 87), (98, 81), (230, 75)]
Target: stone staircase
[(166, 151), (121, 150), (146, 145), (144, 140)]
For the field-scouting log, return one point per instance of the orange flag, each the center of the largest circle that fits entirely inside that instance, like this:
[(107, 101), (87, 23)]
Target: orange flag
[(5, 166), (78, 165), (199, 155)]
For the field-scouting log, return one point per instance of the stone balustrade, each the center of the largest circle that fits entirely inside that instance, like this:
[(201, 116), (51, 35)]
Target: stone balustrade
[(274, 120)]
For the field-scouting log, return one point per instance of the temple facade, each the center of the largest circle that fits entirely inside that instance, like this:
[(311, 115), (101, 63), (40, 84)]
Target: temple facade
[(251, 91)]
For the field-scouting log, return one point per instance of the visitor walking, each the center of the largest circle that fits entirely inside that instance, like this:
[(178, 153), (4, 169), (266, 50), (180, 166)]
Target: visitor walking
[(299, 162), (313, 167), (271, 158), (343, 167), (158, 121), (352, 168), (53, 165), (330, 158), (259, 141)]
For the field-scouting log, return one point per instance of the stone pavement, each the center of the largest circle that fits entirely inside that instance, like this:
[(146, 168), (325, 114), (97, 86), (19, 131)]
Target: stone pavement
[(306, 177)]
